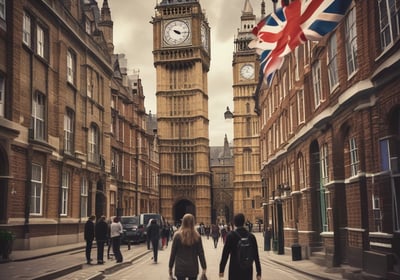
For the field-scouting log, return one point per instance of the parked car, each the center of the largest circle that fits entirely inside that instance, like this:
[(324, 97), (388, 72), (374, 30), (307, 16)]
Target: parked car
[(133, 231)]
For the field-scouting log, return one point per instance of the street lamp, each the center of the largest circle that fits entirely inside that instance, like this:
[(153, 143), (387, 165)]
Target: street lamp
[(279, 212), (228, 114)]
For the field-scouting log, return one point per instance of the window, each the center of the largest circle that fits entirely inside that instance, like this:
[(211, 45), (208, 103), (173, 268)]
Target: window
[(300, 163), (26, 30), (2, 95), (40, 41), (3, 9), (88, 26), (247, 160), (71, 67), (376, 209), (324, 164), (93, 152), (300, 106), (316, 73), (248, 126), (351, 42), (89, 84), (36, 190), (68, 131), (353, 157), (332, 63), (389, 19), (84, 197), (64, 192), (38, 116)]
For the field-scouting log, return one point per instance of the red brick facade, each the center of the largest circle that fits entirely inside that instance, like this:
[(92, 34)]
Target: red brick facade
[(344, 193), (56, 119)]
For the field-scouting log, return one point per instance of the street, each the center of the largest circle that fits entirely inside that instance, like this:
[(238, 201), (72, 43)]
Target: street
[(144, 268)]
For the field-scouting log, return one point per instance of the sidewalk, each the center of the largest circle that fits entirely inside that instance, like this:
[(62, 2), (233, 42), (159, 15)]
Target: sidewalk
[(50, 263)]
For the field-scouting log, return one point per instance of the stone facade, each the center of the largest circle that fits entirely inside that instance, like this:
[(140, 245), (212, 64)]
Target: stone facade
[(182, 59)]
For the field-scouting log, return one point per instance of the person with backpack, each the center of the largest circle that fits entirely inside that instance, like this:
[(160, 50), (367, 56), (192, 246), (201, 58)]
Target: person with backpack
[(241, 247)]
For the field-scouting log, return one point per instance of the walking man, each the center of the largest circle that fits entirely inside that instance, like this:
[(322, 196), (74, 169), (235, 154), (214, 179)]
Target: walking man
[(153, 233), (241, 257), (89, 237), (101, 233)]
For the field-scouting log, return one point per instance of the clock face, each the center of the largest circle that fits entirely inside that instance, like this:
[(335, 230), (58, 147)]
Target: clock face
[(204, 37), (247, 71), (176, 32)]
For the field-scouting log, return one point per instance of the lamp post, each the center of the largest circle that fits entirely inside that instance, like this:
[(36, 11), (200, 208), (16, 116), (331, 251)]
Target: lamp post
[(279, 212)]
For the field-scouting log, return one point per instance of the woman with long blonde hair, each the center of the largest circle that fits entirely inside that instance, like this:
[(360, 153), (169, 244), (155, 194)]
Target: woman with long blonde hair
[(187, 250)]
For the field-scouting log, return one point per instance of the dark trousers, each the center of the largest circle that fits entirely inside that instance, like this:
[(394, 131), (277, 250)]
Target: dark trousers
[(88, 249), (184, 278), (154, 243), (116, 245), (100, 250)]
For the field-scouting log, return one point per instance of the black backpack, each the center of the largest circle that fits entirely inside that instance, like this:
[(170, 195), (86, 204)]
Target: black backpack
[(244, 251)]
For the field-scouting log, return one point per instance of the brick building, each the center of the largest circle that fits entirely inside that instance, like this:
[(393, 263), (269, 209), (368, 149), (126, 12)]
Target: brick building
[(329, 144), (61, 99)]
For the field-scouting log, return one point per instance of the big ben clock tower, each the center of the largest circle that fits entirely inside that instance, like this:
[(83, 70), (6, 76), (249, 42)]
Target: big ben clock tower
[(181, 50), (245, 66)]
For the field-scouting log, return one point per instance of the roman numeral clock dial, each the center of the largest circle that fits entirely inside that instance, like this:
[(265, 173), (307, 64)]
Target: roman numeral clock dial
[(176, 32)]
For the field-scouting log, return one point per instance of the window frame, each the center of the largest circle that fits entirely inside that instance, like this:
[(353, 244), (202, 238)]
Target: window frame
[(84, 194), (317, 83), (35, 209), (39, 116), (69, 119), (351, 42), (71, 67), (65, 186), (332, 63), (388, 14), (27, 30), (94, 145), (353, 154)]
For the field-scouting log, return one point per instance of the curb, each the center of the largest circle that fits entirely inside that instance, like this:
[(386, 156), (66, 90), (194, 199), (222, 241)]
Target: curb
[(96, 276)]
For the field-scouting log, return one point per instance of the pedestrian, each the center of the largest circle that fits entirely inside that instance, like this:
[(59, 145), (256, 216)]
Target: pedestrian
[(237, 271), (109, 240), (115, 233), (89, 237), (165, 235), (101, 233), (153, 234), (187, 250), (215, 234)]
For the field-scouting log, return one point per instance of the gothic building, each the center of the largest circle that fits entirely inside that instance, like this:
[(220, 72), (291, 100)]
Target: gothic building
[(329, 144), (222, 169), (181, 40)]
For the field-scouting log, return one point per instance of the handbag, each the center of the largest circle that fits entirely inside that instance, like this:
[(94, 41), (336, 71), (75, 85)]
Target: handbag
[(203, 276)]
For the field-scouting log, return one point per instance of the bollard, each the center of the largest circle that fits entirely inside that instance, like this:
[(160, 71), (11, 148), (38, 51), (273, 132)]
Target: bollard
[(129, 244)]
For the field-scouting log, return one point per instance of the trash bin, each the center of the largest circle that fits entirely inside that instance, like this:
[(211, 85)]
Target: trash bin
[(296, 252)]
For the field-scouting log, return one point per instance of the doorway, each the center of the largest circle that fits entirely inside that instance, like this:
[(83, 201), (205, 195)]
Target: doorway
[(181, 208)]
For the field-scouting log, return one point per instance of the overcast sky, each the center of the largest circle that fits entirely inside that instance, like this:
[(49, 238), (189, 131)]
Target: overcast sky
[(133, 36)]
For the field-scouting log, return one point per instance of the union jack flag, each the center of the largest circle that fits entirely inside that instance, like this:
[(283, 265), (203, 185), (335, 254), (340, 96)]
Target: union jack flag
[(293, 24)]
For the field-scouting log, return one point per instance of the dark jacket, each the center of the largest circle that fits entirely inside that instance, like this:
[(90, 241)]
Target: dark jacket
[(186, 257), (89, 231), (230, 248), (153, 232), (101, 231)]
